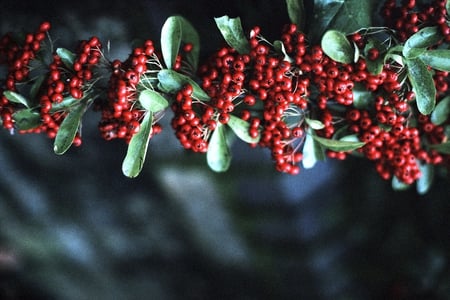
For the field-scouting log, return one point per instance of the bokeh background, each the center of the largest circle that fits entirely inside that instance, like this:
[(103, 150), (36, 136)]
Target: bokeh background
[(73, 227)]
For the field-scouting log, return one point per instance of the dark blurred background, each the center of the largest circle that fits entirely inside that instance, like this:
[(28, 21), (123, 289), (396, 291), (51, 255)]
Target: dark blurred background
[(73, 227)]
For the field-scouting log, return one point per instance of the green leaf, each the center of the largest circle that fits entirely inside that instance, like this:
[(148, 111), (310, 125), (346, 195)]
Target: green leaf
[(152, 101), (374, 66), (232, 32), (171, 82), (426, 179), (34, 90), (338, 145), (241, 129), (64, 105), (443, 148), (336, 45), (362, 98), (16, 98), (69, 128), (296, 12), (323, 14), (423, 85), (312, 151), (441, 112), (416, 44), (170, 40), (67, 57), (25, 119), (438, 59), (398, 185), (314, 124), (137, 148), (218, 155), (279, 47)]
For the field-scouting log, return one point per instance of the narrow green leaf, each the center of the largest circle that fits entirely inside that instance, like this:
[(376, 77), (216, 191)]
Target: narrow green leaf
[(398, 185), (314, 124), (69, 128), (423, 85), (279, 47), (152, 101), (171, 82), (232, 32), (137, 148), (441, 112), (34, 90), (170, 40), (190, 35), (338, 145), (218, 155), (16, 98), (64, 105), (312, 151), (438, 59), (67, 57), (25, 119), (426, 179), (336, 45), (241, 129), (443, 148), (296, 12), (416, 44)]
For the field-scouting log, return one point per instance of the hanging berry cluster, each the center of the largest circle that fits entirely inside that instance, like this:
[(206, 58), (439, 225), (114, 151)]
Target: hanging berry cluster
[(377, 92)]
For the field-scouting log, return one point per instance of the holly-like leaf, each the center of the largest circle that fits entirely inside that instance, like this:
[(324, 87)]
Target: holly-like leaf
[(170, 40), (296, 12), (152, 101), (218, 155), (441, 112), (232, 32), (25, 119), (336, 45), (241, 129), (338, 145), (16, 98), (69, 128), (312, 151), (67, 57), (438, 59), (423, 85), (137, 148), (171, 82), (426, 179), (416, 44)]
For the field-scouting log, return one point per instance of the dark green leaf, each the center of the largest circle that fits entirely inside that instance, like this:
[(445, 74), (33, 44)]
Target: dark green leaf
[(137, 148), (312, 151), (420, 41), (443, 148), (190, 35), (37, 85), (336, 45), (152, 101), (64, 105), (338, 145), (323, 14), (279, 47), (171, 82), (374, 66), (241, 129), (25, 119), (362, 98), (233, 33), (16, 98), (438, 59), (441, 112), (218, 155), (170, 40), (67, 57), (69, 128), (423, 85), (296, 12), (426, 179)]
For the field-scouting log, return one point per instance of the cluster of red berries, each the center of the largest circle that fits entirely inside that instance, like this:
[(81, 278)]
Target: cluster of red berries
[(16, 55), (283, 91), (409, 17)]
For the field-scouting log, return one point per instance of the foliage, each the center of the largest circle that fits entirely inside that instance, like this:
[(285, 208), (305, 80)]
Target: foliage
[(332, 85)]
